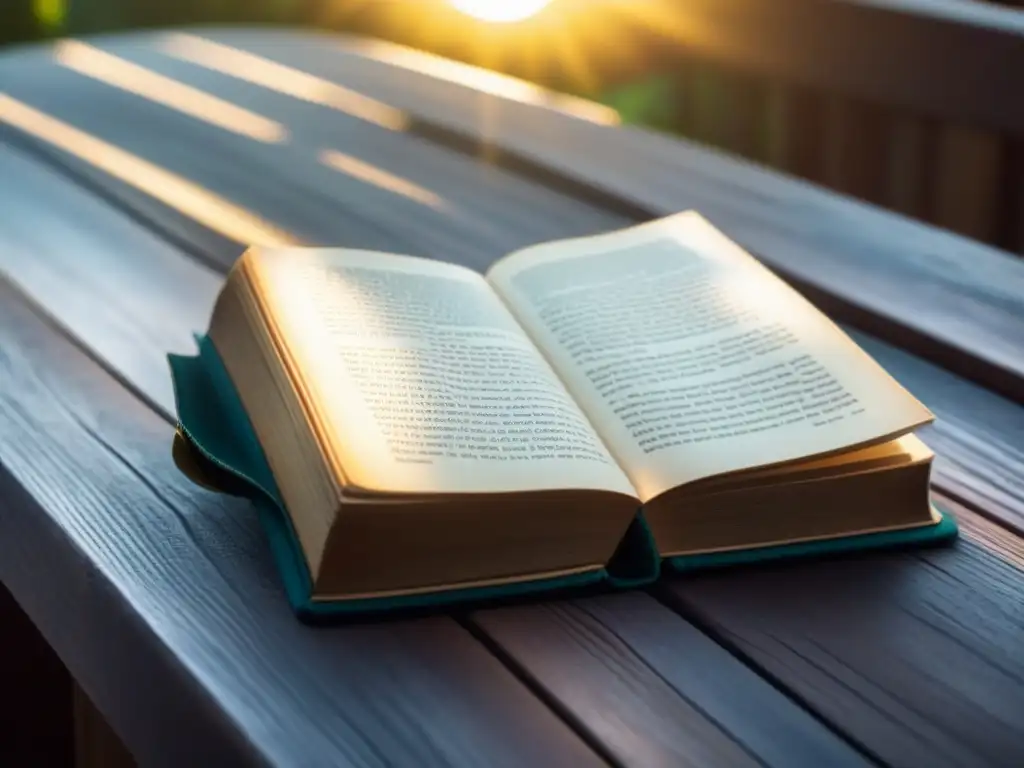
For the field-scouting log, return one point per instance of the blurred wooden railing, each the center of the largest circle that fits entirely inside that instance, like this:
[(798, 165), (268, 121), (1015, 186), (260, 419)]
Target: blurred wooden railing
[(961, 177), (915, 105)]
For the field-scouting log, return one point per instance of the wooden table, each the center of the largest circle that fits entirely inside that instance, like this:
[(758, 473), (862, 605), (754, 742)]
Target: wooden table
[(132, 170)]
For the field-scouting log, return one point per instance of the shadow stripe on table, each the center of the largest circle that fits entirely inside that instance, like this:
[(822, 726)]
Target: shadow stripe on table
[(183, 232)]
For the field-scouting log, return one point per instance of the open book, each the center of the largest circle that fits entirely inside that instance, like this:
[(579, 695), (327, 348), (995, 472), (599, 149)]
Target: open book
[(427, 429)]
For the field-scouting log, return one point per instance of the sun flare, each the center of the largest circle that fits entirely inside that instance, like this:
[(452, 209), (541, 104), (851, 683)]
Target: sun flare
[(500, 10), (561, 44)]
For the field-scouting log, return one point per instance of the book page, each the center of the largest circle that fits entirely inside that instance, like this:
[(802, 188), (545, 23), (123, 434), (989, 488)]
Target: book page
[(691, 358), (423, 380)]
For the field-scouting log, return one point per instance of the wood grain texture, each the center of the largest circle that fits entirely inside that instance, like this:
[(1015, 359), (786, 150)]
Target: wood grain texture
[(162, 601), (917, 656), (994, 538), (953, 299), (655, 690), (131, 296)]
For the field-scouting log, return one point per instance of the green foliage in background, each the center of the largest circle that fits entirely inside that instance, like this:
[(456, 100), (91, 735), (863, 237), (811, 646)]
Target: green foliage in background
[(650, 101), (50, 14), (29, 20)]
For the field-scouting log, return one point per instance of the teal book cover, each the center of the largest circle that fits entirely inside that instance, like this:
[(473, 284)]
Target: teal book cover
[(216, 447)]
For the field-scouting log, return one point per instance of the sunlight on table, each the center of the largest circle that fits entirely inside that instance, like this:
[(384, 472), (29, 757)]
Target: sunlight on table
[(117, 72), (283, 79), (179, 193), (500, 10), (371, 174)]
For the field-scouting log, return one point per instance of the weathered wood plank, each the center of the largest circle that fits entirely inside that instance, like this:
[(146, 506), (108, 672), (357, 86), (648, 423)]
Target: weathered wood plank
[(611, 662), (1005, 544), (916, 657), (95, 271), (161, 599), (655, 690)]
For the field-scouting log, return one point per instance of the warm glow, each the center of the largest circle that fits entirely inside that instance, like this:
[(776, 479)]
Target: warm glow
[(500, 10), (371, 174), (115, 71), (185, 196), (482, 80), (283, 79), (569, 39)]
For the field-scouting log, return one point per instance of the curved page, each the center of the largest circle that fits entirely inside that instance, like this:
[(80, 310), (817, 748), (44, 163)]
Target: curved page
[(692, 359)]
